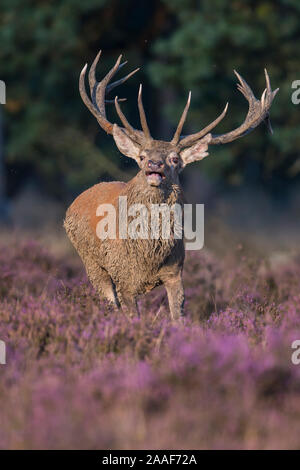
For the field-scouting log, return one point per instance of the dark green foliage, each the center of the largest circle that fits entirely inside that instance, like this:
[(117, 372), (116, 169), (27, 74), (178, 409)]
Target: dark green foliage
[(182, 45), (44, 45), (207, 41)]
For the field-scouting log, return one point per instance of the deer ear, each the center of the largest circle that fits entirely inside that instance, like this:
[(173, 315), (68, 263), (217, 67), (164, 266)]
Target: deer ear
[(198, 151), (126, 146)]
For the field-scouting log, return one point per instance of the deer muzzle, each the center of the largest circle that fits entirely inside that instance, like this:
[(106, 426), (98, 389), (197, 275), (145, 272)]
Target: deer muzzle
[(155, 174)]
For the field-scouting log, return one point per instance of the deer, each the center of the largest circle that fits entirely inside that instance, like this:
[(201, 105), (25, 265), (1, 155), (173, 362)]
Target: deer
[(123, 269)]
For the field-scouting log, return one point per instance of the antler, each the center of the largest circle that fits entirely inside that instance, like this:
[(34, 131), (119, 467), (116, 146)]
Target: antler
[(190, 139), (99, 90), (258, 111)]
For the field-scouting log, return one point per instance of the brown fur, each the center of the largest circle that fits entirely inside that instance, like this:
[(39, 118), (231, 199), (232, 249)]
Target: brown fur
[(121, 270)]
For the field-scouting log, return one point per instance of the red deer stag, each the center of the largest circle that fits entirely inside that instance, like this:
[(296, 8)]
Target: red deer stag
[(121, 269)]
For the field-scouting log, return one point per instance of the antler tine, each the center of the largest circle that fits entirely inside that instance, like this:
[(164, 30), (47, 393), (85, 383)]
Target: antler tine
[(244, 88), (267, 99), (258, 111), (113, 101), (268, 81), (96, 102), (93, 82), (92, 72), (104, 123), (143, 118), (177, 134), (130, 130), (122, 80), (99, 91), (271, 94), (190, 139)]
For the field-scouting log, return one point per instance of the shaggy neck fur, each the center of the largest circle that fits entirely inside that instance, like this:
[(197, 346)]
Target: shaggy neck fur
[(152, 252), (138, 191)]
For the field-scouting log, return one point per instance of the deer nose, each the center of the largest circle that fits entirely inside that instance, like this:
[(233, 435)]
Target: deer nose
[(155, 164)]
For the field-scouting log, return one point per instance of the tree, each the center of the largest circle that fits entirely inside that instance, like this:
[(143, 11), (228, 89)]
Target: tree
[(50, 133), (209, 39), (181, 45)]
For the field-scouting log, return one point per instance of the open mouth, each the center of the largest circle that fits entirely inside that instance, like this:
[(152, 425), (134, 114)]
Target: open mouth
[(154, 178)]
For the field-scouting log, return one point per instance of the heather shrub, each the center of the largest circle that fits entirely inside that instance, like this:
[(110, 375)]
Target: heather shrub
[(81, 375)]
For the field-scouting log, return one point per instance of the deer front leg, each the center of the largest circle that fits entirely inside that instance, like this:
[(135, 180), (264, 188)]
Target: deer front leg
[(174, 288), (129, 306), (102, 282)]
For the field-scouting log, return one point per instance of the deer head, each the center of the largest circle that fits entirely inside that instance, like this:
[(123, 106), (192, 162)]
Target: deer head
[(160, 161)]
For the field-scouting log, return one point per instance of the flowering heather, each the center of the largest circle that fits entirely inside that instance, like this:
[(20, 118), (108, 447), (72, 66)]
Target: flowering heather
[(80, 375)]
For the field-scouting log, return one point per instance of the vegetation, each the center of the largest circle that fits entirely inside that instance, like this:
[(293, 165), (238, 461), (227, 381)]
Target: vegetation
[(181, 45), (79, 375)]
